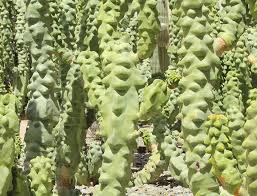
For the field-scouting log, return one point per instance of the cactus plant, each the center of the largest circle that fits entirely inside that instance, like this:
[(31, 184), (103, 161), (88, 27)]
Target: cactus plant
[(200, 65), (9, 128), (148, 28), (219, 146), (232, 16), (249, 143), (185, 67)]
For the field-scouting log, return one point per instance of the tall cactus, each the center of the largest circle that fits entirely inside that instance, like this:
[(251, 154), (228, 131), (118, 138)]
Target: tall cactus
[(224, 165), (6, 45), (148, 28), (9, 127), (119, 110), (21, 79), (200, 65), (119, 106), (249, 143), (232, 15), (42, 109), (71, 127)]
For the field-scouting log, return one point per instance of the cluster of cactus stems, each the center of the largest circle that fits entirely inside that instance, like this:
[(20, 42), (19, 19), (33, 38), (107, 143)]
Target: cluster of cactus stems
[(185, 69)]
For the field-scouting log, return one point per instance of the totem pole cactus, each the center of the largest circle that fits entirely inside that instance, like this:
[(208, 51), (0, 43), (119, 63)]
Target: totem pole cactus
[(21, 79), (249, 143), (200, 64), (224, 165), (120, 105), (148, 27), (8, 129), (42, 108), (232, 15)]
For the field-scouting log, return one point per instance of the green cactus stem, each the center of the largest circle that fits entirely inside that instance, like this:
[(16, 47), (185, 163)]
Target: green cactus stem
[(224, 165), (21, 79), (175, 32), (252, 5), (94, 160), (232, 15), (148, 28), (120, 105), (42, 108), (82, 176), (157, 162), (6, 46), (119, 112), (200, 66), (177, 165), (42, 176), (90, 68), (9, 127), (71, 127), (249, 143), (154, 97), (252, 47)]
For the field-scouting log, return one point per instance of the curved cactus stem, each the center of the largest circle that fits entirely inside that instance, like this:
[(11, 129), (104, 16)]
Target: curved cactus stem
[(232, 15)]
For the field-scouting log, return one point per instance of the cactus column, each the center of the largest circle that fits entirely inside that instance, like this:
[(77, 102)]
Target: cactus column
[(9, 126), (119, 105), (250, 144), (42, 109), (200, 65)]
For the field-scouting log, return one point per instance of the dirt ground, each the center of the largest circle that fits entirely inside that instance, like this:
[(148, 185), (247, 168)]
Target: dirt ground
[(23, 126)]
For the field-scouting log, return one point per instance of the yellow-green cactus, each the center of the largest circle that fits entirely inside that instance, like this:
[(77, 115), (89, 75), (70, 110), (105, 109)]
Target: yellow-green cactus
[(90, 68), (119, 110), (41, 176), (70, 129), (94, 160), (232, 15), (120, 105), (249, 143), (234, 108), (42, 108), (148, 28), (22, 73), (252, 47), (82, 175), (6, 45), (9, 126), (155, 96), (158, 161), (175, 31), (200, 67), (88, 26), (224, 165)]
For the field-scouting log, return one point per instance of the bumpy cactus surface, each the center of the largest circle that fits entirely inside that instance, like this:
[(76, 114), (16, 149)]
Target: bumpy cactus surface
[(200, 66), (8, 130), (185, 68)]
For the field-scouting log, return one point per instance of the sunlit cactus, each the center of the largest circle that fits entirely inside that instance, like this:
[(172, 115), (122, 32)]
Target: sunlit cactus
[(186, 70)]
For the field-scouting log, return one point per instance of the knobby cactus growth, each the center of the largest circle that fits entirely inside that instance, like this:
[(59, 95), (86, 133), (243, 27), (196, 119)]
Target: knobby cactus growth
[(184, 69)]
